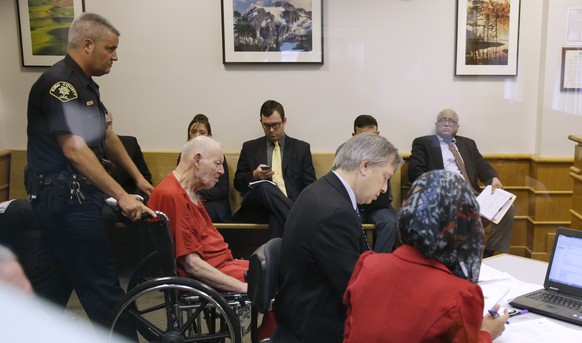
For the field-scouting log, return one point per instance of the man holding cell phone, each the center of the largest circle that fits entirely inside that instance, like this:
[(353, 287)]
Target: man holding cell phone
[(284, 161)]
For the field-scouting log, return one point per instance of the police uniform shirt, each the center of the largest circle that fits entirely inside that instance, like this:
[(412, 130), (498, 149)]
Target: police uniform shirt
[(63, 99)]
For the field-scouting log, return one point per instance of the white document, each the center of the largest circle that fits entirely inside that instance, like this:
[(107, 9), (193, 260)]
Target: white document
[(539, 330), (494, 206), (4, 205), (254, 183)]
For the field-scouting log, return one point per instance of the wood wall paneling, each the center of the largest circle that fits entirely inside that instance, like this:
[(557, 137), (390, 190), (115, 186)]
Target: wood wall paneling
[(547, 195), (18, 161), (4, 175), (575, 173)]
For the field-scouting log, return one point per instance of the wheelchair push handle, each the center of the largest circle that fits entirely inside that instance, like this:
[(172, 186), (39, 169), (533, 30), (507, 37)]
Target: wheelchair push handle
[(111, 201)]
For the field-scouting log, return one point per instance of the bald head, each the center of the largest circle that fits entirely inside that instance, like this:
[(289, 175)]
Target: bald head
[(198, 145), (200, 164)]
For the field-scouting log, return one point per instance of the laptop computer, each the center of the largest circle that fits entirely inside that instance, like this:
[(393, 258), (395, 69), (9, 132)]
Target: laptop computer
[(563, 282)]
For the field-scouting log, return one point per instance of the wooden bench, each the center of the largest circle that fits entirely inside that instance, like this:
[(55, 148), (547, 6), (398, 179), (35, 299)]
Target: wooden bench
[(161, 163)]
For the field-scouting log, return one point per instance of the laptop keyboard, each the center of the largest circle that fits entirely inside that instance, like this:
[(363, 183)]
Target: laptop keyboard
[(556, 299)]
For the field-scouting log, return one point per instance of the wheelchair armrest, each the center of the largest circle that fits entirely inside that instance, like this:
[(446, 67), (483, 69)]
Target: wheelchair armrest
[(262, 274)]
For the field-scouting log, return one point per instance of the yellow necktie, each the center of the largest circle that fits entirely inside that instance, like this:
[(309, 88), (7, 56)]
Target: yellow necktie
[(278, 168)]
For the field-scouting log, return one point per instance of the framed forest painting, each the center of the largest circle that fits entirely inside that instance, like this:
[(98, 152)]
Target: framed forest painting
[(487, 37)]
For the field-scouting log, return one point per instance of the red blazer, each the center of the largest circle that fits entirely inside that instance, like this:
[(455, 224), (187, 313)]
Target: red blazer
[(405, 297)]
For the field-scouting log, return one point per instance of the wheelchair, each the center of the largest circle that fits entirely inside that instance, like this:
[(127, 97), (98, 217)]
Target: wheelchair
[(167, 308)]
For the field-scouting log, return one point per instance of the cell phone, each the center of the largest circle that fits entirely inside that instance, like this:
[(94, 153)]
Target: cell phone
[(265, 167)]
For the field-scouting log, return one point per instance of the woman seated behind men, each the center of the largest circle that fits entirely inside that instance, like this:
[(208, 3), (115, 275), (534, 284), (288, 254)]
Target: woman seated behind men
[(426, 290), (216, 198)]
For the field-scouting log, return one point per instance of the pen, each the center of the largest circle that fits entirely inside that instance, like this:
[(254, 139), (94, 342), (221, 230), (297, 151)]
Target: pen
[(518, 313), (494, 314)]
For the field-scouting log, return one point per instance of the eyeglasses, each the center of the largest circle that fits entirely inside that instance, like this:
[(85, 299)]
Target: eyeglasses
[(450, 121), (274, 126)]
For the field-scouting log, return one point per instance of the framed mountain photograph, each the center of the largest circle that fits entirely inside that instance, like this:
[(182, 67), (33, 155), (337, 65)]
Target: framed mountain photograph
[(270, 31)]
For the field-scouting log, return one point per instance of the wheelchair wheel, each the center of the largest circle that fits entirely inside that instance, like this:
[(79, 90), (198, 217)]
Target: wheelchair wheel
[(175, 309)]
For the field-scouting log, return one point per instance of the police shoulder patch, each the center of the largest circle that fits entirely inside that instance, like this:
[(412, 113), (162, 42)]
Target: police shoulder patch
[(64, 91)]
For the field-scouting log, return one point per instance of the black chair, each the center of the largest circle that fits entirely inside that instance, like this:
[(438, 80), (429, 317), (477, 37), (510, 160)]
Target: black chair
[(262, 278), (169, 308)]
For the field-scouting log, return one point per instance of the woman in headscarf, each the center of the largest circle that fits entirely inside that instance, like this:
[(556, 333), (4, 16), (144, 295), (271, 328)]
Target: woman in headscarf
[(426, 291)]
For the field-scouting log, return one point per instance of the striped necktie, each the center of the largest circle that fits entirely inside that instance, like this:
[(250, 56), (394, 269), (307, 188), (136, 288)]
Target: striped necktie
[(461, 165)]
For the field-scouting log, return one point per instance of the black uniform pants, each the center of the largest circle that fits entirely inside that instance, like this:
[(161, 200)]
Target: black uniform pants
[(74, 254)]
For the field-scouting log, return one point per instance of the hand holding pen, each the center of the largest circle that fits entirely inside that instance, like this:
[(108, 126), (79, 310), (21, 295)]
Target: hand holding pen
[(494, 322), (494, 314)]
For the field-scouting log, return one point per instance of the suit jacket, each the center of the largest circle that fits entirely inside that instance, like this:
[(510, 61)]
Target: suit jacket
[(321, 244), (426, 156), (298, 170), (404, 296), (121, 176), (216, 200)]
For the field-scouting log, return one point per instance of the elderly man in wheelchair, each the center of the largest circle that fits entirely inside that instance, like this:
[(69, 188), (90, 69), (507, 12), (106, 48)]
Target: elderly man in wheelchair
[(176, 309)]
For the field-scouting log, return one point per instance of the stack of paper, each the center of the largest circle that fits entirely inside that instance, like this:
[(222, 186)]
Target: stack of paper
[(493, 206)]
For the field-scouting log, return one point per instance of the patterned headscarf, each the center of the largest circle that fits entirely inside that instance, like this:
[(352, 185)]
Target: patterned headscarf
[(440, 218)]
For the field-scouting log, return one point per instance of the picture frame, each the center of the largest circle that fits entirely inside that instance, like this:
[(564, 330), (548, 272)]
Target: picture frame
[(256, 31), (44, 29), (571, 71), (487, 39)]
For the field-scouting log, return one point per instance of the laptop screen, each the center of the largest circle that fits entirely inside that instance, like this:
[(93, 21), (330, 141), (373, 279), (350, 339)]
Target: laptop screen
[(566, 264)]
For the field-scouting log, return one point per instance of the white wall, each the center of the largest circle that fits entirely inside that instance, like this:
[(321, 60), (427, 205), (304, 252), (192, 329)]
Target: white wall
[(561, 111), (393, 59)]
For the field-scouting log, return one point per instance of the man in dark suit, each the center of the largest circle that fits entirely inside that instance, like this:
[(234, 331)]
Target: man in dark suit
[(121, 176), (111, 216), (275, 157), (380, 211), (19, 231), (324, 237), (437, 152)]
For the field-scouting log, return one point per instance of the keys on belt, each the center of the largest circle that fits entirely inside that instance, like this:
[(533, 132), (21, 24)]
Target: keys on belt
[(76, 189), (75, 183)]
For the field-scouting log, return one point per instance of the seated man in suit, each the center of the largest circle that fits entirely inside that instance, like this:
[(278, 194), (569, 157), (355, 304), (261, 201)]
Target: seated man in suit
[(121, 176), (291, 169), (438, 152), (380, 211), (110, 215), (324, 237), (20, 231)]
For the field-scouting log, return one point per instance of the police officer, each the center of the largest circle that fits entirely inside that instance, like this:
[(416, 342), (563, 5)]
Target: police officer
[(67, 135)]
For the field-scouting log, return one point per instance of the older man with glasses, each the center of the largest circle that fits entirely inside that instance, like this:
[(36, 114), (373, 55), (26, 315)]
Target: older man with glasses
[(271, 172), (446, 150)]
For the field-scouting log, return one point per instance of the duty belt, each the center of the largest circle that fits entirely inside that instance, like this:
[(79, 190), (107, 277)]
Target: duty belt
[(48, 179)]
